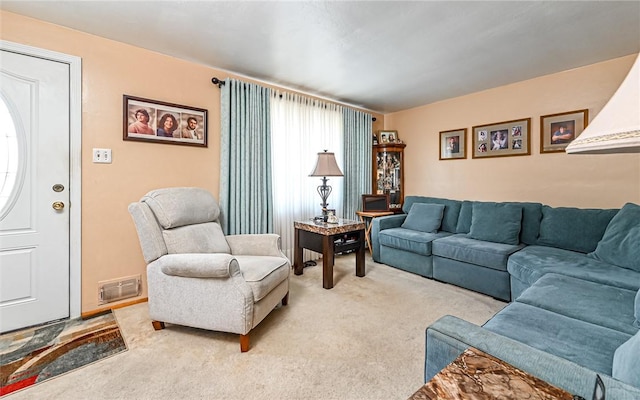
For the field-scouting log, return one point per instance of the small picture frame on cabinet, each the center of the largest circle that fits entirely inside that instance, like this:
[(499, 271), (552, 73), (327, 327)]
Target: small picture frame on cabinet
[(386, 137)]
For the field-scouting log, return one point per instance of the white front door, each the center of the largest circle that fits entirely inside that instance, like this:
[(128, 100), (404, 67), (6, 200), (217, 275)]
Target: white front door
[(34, 190)]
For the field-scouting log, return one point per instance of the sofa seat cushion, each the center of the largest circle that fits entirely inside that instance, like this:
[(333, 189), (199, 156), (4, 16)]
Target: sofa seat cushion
[(407, 239), (263, 273), (592, 302), (462, 248), (531, 263), (583, 343)]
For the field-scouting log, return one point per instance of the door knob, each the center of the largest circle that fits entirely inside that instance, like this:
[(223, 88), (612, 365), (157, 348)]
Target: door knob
[(58, 205)]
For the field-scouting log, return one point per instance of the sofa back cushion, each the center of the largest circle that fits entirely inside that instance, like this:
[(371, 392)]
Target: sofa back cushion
[(620, 244), (496, 222), (424, 217), (573, 228), (464, 218), (451, 210), (531, 216)]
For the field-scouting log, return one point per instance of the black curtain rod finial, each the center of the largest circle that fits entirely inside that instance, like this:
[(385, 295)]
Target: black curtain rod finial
[(217, 81)]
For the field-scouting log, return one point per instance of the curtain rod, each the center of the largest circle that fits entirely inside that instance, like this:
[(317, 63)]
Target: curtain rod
[(217, 81), (220, 83)]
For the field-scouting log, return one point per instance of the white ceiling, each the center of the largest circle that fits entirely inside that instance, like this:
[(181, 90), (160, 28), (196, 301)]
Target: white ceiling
[(384, 56)]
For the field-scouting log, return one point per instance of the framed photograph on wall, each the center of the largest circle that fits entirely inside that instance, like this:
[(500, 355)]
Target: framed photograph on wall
[(453, 144), (160, 122), (502, 139), (385, 137), (558, 130)]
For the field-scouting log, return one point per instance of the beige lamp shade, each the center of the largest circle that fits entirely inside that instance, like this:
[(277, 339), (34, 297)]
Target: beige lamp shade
[(326, 165), (616, 129)]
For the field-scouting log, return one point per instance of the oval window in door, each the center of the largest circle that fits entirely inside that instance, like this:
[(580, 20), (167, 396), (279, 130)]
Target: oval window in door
[(10, 176)]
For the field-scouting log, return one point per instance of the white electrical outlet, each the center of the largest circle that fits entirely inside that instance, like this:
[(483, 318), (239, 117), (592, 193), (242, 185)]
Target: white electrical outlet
[(102, 156)]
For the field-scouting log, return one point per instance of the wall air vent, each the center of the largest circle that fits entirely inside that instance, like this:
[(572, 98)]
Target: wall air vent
[(122, 288)]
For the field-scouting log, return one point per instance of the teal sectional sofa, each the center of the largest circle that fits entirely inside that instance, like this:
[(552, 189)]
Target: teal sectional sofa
[(572, 277)]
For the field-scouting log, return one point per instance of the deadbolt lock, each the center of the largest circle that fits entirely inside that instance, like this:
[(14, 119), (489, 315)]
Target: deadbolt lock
[(58, 187)]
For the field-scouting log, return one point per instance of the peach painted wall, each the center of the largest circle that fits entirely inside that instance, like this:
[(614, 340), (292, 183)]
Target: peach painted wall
[(110, 69), (556, 179)]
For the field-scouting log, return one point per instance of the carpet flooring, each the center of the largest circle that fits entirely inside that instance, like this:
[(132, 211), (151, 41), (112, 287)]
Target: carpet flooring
[(363, 339), (36, 354)]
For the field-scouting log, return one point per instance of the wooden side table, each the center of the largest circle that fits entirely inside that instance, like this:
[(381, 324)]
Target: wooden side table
[(367, 217), (327, 239), (476, 375)]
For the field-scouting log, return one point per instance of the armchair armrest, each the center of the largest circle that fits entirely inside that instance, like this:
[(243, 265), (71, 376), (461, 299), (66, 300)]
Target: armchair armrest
[(267, 244), (382, 223), (199, 265)]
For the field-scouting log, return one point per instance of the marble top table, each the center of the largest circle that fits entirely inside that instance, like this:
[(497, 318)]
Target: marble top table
[(475, 375), (329, 239)]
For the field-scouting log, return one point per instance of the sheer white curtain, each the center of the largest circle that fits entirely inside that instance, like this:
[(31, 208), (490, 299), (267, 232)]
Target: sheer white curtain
[(301, 128)]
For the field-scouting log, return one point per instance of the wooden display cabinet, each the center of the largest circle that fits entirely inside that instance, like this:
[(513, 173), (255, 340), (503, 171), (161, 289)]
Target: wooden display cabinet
[(388, 173)]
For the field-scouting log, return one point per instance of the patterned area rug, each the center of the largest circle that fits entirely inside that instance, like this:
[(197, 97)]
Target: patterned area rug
[(36, 354)]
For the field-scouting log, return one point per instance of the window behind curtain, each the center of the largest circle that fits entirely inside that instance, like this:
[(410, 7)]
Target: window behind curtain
[(301, 128)]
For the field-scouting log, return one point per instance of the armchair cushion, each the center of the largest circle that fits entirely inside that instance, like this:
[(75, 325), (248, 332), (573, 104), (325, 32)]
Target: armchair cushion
[(199, 238), (263, 273), (264, 244), (199, 265), (174, 207)]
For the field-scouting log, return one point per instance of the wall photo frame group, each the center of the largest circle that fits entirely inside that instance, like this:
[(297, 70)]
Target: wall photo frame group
[(502, 139), (558, 130), (161, 122), (453, 144)]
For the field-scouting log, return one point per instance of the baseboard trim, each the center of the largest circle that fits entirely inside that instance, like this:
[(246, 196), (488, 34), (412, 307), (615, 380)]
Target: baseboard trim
[(102, 310)]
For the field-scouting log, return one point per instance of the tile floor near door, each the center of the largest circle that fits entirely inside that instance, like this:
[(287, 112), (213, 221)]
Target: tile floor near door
[(363, 339)]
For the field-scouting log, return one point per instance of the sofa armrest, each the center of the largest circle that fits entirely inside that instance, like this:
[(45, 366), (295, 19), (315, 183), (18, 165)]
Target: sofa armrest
[(379, 224), (198, 265), (449, 336), (267, 244)]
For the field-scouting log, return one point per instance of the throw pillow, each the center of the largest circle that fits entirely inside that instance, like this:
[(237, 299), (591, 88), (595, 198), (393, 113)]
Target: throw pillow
[(620, 244), (496, 222), (424, 217), (626, 362)]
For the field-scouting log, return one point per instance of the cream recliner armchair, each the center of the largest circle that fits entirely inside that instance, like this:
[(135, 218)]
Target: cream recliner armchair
[(198, 277)]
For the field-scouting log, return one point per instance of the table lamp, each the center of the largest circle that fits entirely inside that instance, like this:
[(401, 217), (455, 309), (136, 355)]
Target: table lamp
[(326, 166)]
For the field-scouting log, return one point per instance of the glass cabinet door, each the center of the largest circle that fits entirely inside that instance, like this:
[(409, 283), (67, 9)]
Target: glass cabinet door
[(388, 174)]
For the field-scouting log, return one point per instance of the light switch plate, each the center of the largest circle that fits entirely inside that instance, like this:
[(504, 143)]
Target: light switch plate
[(102, 156)]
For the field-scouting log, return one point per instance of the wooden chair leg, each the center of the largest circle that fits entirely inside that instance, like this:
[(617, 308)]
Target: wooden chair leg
[(244, 343), (285, 299), (157, 325)]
